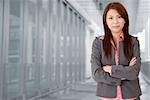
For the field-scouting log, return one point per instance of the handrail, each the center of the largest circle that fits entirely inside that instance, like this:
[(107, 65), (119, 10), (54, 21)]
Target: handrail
[(146, 60)]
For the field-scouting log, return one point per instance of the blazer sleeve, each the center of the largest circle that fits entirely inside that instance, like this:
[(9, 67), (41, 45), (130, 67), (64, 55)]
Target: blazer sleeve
[(97, 73), (129, 72)]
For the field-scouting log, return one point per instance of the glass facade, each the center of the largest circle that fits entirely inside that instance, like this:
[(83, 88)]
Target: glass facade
[(1, 66), (42, 49)]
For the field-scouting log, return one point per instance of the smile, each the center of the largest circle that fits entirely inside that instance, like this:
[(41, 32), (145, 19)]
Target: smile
[(115, 26)]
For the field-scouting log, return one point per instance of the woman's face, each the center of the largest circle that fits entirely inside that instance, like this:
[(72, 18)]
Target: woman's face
[(114, 21)]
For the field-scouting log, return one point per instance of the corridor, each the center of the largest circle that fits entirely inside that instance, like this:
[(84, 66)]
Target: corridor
[(46, 47), (85, 90)]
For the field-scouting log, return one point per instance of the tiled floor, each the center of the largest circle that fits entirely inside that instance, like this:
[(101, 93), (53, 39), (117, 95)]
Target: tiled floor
[(86, 91)]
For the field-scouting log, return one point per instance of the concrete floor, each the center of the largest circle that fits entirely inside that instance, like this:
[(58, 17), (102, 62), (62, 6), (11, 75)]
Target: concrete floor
[(86, 91)]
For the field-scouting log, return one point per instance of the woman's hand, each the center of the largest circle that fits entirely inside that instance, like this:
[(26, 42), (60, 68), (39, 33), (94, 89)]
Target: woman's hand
[(133, 61), (107, 68)]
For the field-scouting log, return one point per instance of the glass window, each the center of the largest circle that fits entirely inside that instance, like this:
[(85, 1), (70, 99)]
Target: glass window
[(70, 16), (32, 67), (64, 8), (1, 73), (44, 68), (14, 31), (1, 14), (53, 6), (53, 50), (13, 66)]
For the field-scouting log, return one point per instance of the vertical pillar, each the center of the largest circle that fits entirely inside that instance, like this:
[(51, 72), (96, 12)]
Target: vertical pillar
[(1, 65)]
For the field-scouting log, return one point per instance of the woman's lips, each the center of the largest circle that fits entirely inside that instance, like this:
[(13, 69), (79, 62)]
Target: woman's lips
[(115, 26)]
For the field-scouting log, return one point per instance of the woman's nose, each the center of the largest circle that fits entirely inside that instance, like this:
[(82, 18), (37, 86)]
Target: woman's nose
[(115, 20)]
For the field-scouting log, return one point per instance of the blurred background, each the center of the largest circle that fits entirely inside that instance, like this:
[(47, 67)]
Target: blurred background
[(45, 47)]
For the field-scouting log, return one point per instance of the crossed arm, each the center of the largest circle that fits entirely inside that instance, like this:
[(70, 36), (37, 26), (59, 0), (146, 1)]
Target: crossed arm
[(108, 68), (113, 74)]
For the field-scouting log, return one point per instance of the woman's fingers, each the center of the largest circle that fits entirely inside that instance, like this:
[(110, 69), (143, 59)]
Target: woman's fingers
[(107, 68), (133, 61), (134, 58)]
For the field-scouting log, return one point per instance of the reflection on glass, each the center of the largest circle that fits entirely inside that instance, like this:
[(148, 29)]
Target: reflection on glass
[(13, 66), (31, 85), (44, 68)]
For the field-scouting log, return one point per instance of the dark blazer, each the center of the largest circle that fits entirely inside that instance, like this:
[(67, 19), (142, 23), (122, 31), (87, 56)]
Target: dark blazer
[(106, 83)]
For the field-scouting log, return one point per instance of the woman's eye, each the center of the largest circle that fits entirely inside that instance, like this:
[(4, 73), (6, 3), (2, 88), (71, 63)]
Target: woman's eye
[(119, 17), (110, 18)]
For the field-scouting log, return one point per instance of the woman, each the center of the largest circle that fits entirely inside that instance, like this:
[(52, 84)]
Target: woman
[(115, 58)]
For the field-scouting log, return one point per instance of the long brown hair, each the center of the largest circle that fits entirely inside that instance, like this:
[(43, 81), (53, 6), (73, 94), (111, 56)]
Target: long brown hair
[(108, 35)]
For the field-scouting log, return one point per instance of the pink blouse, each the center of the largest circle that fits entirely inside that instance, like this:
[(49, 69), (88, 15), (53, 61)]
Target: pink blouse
[(119, 95)]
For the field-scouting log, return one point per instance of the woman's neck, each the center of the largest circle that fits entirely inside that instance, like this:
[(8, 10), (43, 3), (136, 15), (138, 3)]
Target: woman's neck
[(116, 36)]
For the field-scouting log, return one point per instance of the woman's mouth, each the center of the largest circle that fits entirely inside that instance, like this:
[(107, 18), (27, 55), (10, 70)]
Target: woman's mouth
[(116, 26)]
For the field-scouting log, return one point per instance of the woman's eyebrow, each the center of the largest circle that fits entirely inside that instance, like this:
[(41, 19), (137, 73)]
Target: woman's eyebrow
[(114, 15), (110, 15)]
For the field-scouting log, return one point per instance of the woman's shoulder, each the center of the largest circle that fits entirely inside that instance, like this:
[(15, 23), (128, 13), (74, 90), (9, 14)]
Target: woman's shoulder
[(134, 38), (101, 37), (98, 39)]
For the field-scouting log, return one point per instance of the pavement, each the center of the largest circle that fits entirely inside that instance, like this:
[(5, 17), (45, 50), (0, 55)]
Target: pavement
[(86, 91)]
